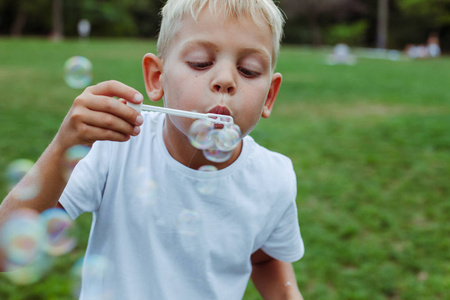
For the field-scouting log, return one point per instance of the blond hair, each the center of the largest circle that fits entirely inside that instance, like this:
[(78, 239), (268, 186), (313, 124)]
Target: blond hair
[(174, 10)]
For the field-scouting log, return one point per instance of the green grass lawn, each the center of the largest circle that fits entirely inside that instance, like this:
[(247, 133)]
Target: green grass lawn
[(370, 144)]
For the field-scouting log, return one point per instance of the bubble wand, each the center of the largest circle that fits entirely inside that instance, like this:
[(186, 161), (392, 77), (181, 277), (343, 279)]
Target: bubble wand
[(215, 118)]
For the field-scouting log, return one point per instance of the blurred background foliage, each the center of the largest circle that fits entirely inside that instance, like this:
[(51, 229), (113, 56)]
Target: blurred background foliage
[(316, 22)]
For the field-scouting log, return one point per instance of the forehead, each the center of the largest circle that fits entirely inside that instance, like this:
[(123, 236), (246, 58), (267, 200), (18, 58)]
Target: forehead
[(216, 30)]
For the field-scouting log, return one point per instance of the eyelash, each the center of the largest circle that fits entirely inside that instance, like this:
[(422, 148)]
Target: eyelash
[(199, 65), (247, 73), (204, 65)]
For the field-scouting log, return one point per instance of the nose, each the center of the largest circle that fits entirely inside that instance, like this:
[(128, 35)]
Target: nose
[(224, 81), (224, 88)]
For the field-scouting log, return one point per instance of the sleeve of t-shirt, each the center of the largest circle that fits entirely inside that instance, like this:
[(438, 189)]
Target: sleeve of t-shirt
[(83, 192), (285, 242)]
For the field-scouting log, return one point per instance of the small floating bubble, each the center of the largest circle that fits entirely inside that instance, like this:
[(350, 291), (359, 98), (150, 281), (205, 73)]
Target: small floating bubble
[(207, 186), (59, 231), (21, 237), (216, 155), (94, 267), (188, 222), (147, 191), (30, 273), (78, 72), (29, 188), (72, 156)]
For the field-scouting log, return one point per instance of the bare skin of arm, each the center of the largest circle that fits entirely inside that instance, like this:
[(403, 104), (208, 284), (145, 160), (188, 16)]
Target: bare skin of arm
[(95, 115), (274, 279)]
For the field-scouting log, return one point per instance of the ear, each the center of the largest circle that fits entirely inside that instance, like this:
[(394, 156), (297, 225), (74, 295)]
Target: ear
[(152, 66), (272, 95)]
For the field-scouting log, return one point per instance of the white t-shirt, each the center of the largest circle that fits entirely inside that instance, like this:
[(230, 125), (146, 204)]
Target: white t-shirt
[(170, 232)]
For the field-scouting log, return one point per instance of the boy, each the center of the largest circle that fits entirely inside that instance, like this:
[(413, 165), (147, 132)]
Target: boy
[(181, 242)]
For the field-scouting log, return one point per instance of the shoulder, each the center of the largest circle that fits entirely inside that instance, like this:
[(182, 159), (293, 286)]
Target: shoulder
[(271, 169), (266, 158)]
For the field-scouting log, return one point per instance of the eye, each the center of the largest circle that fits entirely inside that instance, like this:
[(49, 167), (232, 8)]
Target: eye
[(200, 65), (248, 73)]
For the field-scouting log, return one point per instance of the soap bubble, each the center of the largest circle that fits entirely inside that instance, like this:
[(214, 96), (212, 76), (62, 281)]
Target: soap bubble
[(188, 222), (59, 228), (26, 239), (228, 138), (207, 186), (94, 267), (30, 273), (29, 188), (217, 144), (207, 168), (21, 237), (78, 72), (17, 169), (72, 156), (145, 191), (200, 134), (216, 155)]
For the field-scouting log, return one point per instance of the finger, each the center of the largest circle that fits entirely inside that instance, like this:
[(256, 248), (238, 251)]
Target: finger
[(110, 122), (92, 134), (115, 107), (114, 88)]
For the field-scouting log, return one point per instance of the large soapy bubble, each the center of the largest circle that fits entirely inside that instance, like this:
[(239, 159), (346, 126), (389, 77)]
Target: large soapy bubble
[(217, 144)]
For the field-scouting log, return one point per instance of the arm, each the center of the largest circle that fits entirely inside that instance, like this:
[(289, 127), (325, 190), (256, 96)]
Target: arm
[(274, 279), (94, 115)]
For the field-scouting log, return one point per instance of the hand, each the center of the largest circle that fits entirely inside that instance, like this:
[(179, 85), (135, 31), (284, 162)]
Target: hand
[(97, 115)]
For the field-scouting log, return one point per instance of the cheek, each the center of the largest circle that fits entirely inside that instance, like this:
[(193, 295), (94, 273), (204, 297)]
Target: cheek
[(184, 91), (173, 90), (250, 109)]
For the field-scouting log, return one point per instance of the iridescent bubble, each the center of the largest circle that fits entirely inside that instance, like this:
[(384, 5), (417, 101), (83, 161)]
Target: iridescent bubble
[(29, 188), (93, 267), (72, 156), (30, 273), (21, 237), (207, 168), (146, 191), (188, 222), (76, 153), (207, 186), (217, 144), (78, 72), (216, 155), (199, 134), (17, 169), (59, 231), (236, 128), (228, 138), (76, 273)]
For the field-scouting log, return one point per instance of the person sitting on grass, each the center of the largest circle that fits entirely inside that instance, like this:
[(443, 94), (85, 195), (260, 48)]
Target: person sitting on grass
[(214, 56)]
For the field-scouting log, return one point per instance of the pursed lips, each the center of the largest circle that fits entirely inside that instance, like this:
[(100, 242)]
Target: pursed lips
[(220, 110)]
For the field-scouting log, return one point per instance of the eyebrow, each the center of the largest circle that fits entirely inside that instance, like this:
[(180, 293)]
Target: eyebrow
[(195, 43)]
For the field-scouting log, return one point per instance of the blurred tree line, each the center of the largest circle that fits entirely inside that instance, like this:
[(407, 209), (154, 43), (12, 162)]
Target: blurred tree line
[(315, 22)]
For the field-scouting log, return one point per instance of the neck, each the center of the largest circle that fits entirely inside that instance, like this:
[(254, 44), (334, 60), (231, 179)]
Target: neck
[(180, 148)]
